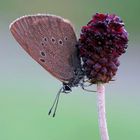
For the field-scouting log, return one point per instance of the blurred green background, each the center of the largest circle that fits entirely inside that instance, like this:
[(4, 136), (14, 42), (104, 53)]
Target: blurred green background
[(27, 90)]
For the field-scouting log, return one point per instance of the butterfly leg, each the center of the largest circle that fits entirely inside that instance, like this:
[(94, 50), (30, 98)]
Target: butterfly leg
[(83, 86)]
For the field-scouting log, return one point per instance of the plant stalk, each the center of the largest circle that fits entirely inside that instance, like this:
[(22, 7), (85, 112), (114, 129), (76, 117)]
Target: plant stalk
[(101, 111)]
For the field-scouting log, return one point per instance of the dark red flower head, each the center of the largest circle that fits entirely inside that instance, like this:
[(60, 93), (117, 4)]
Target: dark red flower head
[(101, 42)]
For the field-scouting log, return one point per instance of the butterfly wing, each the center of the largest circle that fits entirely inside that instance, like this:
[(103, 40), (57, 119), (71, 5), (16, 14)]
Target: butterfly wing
[(50, 40)]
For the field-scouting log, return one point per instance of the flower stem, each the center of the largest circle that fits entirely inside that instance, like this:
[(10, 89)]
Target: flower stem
[(102, 112)]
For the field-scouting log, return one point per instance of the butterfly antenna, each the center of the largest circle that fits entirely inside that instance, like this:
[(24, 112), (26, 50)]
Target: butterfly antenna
[(55, 103)]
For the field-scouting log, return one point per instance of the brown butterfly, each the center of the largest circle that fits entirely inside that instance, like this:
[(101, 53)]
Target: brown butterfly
[(50, 40)]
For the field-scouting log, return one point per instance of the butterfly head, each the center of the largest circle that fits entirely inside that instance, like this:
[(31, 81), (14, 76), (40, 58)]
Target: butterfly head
[(66, 88)]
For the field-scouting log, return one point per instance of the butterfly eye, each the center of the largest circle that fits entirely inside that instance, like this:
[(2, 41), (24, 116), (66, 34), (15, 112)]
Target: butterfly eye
[(53, 40), (42, 60), (60, 42), (42, 53)]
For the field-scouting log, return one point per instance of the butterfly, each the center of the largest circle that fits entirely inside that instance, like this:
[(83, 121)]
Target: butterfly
[(50, 40)]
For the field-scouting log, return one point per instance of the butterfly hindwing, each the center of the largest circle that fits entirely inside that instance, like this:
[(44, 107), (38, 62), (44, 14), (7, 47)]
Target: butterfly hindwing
[(50, 40)]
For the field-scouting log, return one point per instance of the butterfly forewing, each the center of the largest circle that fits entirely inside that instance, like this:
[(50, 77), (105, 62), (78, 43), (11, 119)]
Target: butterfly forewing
[(50, 40)]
